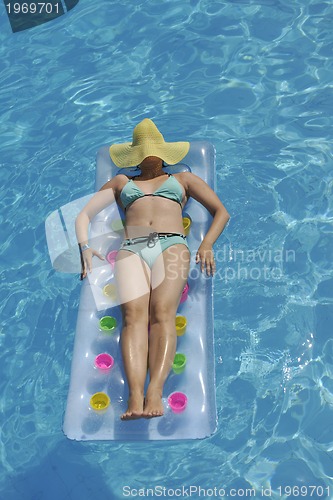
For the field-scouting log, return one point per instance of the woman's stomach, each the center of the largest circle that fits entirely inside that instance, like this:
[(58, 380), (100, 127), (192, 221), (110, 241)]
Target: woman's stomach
[(153, 214)]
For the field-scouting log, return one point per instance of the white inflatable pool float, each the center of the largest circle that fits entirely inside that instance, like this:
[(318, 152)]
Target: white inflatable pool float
[(98, 391)]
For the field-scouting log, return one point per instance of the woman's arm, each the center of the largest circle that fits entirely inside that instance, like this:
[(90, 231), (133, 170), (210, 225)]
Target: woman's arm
[(201, 192), (96, 204)]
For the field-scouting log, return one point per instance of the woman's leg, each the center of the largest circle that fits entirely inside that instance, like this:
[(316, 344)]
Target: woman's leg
[(174, 263), (133, 283)]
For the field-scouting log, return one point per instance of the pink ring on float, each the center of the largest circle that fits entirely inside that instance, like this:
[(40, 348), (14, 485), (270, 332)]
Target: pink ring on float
[(111, 257), (177, 402), (104, 362)]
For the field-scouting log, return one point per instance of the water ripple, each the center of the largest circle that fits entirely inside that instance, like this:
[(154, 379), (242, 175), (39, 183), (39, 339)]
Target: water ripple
[(255, 78)]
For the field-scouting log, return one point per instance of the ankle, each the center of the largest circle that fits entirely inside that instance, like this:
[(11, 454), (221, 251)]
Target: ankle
[(155, 388), (136, 392)]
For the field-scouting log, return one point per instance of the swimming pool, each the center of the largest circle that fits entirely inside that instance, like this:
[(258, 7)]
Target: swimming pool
[(254, 78)]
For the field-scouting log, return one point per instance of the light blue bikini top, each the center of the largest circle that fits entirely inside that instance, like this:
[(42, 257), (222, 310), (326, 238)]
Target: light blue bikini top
[(170, 189)]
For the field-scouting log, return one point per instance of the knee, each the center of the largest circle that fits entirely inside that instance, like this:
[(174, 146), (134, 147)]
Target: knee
[(162, 312), (134, 317)]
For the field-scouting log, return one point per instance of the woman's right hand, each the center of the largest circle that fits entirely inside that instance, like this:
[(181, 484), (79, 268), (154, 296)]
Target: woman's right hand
[(87, 256)]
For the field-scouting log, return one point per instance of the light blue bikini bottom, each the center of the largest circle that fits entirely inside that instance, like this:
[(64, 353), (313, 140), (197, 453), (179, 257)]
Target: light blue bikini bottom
[(151, 246)]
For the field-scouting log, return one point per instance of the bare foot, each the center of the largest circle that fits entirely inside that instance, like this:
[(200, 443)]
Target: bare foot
[(134, 408), (153, 404)]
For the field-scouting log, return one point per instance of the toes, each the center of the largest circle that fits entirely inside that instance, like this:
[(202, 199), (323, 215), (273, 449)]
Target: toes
[(134, 409), (130, 416), (152, 413)]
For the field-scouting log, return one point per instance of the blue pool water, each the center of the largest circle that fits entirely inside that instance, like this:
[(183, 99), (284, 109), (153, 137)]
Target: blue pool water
[(255, 79)]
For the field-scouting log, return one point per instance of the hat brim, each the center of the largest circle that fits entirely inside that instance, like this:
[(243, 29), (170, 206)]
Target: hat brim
[(126, 155)]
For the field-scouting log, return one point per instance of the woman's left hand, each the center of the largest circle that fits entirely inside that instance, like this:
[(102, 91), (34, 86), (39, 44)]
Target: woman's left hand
[(205, 255)]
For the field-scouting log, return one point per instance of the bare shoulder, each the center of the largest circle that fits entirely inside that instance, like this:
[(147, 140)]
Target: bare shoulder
[(191, 181), (200, 191), (116, 183)]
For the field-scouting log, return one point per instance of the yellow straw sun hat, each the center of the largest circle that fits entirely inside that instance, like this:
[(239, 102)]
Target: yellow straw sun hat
[(147, 141)]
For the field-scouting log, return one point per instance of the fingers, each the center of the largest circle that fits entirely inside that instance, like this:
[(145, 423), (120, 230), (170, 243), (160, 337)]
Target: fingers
[(87, 261), (87, 265), (206, 259), (99, 255), (83, 271), (212, 269)]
